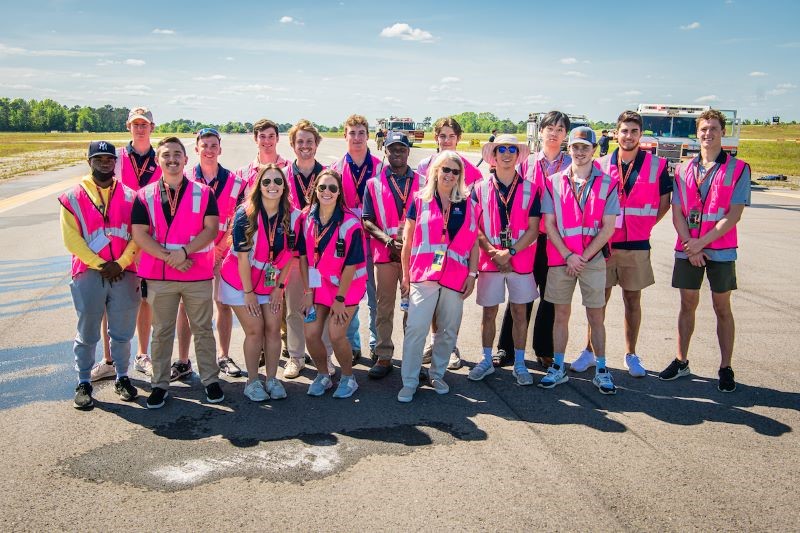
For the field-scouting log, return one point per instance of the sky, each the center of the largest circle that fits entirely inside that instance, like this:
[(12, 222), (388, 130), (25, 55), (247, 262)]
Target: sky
[(220, 61)]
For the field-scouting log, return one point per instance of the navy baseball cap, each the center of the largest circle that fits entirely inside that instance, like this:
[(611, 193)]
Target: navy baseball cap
[(582, 135), (102, 148), (397, 137)]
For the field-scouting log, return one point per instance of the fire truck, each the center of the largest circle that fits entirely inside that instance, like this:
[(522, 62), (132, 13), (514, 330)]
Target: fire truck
[(403, 125), (535, 143), (670, 131)]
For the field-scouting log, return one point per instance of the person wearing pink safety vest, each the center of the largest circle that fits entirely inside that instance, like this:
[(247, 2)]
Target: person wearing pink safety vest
[(175, 222), (228, 189), (710, 193), (266, 137), (136, 166), (255, 275), (334, 273), (356, 167), (553, 128), (447, 134), (95, 225), (579, 206), (386, 202), (509, 224), (440, 261), (300, 175), (644, 192)]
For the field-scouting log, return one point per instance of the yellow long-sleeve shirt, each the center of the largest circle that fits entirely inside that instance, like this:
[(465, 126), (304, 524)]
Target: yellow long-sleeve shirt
[(71, 233)]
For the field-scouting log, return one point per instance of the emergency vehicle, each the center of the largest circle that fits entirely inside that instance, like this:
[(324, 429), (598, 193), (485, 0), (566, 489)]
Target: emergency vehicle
[(535, 143), (670, 131), (403, 125)]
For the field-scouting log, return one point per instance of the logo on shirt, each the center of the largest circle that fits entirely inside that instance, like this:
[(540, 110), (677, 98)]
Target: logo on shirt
[(457, 211)]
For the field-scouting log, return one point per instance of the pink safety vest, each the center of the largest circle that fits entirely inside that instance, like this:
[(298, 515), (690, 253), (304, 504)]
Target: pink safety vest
[(639, 208), (577, 226), (351, 199), (428, 240), (259, 257), (386, 216), (330, 266), (718, 200), (522, 262), (187, 224), (471, 172), (92, 223), (125, 172), (294, 192), (249, 172), (533, 169), (226, 199)]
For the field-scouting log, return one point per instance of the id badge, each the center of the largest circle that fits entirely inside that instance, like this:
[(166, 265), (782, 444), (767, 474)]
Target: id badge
[(438, 260), (99, 242), (505, 239), (618, 222), (339, 248), (292, 240), (270, 276), (314, 278), (694, 219)]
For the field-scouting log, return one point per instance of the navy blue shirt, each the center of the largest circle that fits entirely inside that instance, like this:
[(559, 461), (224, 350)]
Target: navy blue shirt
[(240, 226), (302, 181), (353, 256), (458, 213), (357, 171), (402, 182), (534, 211), (146, 164)]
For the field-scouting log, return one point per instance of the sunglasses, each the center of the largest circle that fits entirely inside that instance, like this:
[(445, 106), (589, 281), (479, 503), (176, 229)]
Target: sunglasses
[(208, 131), (332, 187), (453, 171), (509, 149), (266, 181)]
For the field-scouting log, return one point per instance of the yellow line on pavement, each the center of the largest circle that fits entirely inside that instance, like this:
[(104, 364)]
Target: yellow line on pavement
[(31, 196)]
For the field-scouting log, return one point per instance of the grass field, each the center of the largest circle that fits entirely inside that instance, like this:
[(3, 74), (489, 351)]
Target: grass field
[(781, 131)]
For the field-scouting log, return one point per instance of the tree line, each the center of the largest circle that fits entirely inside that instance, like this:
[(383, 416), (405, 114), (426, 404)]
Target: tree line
[(49, 115)]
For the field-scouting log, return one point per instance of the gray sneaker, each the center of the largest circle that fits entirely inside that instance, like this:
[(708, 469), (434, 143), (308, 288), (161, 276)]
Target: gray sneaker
[(440, 386), (481, 370), (275, 389), (406, 394), (524, 378), (143, 364), (103, 370), (455, 360)]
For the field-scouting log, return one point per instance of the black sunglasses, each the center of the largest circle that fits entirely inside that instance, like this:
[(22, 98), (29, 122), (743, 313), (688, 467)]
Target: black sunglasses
[(453, 171), (332, 187), (266, 181)]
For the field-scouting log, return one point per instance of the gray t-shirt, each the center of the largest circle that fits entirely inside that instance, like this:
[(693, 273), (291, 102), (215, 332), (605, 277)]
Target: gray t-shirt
[(741, 196), (612, 200)]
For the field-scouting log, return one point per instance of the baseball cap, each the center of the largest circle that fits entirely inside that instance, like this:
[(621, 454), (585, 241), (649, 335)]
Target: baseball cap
[(140, 112), (397, 137), (101, 148), (582, 135)]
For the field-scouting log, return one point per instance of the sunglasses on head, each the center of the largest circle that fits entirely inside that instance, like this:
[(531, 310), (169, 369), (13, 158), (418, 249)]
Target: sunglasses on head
[(453, 171), (332, 187), (509, 149), (208, 131), (266, 181)]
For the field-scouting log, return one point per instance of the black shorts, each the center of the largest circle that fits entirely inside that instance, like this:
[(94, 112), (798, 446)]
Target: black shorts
[(721, 275)]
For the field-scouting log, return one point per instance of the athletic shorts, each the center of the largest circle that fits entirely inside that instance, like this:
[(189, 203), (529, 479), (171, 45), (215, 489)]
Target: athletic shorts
[(491, 288), (232, 296), (592, 280), (721, 275), (630, 269)]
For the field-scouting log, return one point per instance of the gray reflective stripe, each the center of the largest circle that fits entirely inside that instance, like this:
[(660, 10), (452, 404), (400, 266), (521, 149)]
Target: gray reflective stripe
[(457, 258), (173, 246), (93, 235), (729, 171), (571, 232), (527, 186), (149, 197), (129, 194), (293, 218), (605, 164), (424, 229), (344, 228), (261, 265), (197, 197), (237, 185), (381, 208), (121, 232), (428, 248), (76, 209), (604, 186), (359, 273), (223, 225), (591, 231), (178, 246), (557, 204), (646, 211), (713, 217), (487, 214), (653, 168), (118, 164)]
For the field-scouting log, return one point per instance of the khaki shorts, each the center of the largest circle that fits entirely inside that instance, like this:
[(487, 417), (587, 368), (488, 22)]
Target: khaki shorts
[(491, 289), (630, 269), (560, 285)]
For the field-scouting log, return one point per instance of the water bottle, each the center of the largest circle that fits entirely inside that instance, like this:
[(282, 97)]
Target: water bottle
[(404, 304), (311, 315)]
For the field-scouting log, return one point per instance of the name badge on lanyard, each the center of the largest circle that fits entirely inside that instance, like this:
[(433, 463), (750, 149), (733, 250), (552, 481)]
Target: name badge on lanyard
[(694, 219), (314, 278), (270, 276), (438, 260)]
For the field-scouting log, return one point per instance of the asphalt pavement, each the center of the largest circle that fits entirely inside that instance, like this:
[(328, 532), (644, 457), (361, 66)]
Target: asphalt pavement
[(663, 456)]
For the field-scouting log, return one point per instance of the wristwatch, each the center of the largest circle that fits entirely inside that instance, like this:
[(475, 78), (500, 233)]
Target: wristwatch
[(281, 285), (512, 251), (474, 275), (339, 298)]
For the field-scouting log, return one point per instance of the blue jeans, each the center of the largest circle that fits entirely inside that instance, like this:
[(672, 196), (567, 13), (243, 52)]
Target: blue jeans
[(93, 297), (372, 302)]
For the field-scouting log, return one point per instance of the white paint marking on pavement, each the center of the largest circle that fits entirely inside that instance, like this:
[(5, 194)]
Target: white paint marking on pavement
[(36, 194)]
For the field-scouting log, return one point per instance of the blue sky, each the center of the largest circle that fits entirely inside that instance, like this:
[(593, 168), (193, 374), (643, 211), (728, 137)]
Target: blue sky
[(225, 60)]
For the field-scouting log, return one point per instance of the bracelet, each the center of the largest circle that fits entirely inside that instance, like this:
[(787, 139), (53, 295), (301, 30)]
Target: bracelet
[(569, 255), (308, 291), (250, 291), (185, 252)]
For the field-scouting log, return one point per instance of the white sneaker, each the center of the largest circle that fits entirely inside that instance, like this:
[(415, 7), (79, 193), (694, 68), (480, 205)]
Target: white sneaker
[(406, 394), (556, 375), (255, 391), (347, 386), (455, 360), (481, 370), (602, 380), (584, 361), (103, 370), (634, 365), (143, 364), (275, 389), (293, 368), (331, 367), (440, 386)]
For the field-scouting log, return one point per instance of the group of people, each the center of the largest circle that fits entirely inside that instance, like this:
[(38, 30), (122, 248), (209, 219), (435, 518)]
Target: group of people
[(292, 248)]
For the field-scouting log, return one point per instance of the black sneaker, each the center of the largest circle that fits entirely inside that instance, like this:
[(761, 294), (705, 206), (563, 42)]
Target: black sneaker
[(229, 367), (179, 370), (726, 382), (676, 369), (285, 353), (125, 389), (83, 396), (156, 398), (356, 356), (214, 393)]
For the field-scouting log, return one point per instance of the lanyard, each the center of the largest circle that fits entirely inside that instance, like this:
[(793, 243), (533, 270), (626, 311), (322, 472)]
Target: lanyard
[(304, 187), (361, 176), (445, 221), (624, 175), (318, 238), (136, 169), (213, 183), (271, 229), (556, 162), (506, 199), (173, 200), (103, 208), (402, 194), (579, 191)]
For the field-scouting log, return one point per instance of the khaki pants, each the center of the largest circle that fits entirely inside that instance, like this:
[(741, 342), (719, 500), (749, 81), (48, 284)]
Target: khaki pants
[(293, 322), (387, 281), (164, 297)]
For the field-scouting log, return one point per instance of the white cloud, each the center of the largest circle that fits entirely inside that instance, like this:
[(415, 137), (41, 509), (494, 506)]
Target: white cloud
[(130, 90), (781, 88), (632, 92), (794, 44), (757, 74), (135, 62), (290, 20), (568, 60), (707, 98), (17, 51), (537, 99), (407, 33), (82, 75), (250, 89), (189, 100), (692, 26), (15, 86), (214, 77), (229, 58), (575, 74), (159, 31), (450, 79), (448, 83)]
